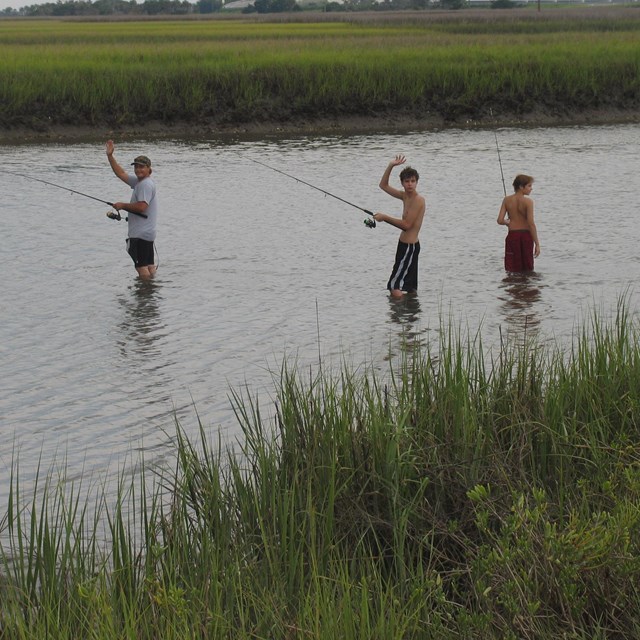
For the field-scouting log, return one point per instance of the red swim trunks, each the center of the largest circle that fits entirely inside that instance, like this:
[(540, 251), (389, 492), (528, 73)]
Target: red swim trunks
[(518, 251)]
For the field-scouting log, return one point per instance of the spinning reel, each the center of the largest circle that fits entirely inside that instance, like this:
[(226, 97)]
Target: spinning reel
[(370, 222), (115, 215)]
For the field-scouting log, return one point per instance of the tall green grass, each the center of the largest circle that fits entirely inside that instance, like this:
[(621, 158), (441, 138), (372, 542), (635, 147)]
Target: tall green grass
[(463, 494), (234, 71)]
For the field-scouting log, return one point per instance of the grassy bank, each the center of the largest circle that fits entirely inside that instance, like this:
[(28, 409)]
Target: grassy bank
[(459, 496), (426, 66)]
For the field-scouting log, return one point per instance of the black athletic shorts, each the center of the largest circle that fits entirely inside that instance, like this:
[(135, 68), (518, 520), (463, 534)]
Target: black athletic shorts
[(141, 252), (405, 270)]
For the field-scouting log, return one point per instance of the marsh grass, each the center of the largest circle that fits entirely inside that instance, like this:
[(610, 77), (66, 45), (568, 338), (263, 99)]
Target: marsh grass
[(233, 71), (463, 494)]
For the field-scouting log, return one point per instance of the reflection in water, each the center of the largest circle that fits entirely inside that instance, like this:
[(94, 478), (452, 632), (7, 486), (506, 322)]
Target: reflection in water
[(141, 325), (406, 312), (520, 305)]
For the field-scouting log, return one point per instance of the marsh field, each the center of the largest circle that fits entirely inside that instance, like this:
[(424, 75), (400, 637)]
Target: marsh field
[(427, 68)]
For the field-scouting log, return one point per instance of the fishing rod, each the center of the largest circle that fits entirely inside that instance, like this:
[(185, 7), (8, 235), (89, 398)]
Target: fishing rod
[(369, 223), (495, 133), (504, 188), (114, 215)]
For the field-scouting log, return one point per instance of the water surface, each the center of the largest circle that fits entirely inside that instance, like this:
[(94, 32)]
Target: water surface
[(256, 267)]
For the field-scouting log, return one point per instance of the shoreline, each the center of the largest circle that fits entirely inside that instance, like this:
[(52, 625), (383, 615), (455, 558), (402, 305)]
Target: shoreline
[(347, 125)]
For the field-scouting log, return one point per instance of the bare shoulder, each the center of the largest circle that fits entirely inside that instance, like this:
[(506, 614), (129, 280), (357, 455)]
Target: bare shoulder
[(420, 203), (414, 201)]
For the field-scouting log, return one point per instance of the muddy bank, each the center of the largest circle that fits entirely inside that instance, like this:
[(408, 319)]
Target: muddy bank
[(318, 126)]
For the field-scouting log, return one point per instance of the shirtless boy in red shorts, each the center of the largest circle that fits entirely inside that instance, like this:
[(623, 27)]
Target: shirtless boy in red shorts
[(521, 245)]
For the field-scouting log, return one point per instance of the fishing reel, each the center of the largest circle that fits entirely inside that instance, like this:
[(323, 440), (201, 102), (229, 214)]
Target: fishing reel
[(115, 215), (370, 222)]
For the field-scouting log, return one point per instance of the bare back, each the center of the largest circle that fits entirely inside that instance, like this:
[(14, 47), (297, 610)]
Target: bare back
[(516, 211), (520, 211)]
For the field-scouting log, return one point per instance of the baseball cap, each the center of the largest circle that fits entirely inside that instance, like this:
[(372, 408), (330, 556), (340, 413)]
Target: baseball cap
[(142, 160)]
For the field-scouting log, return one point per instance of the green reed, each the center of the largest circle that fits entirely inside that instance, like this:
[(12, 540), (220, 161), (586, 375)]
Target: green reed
[(465, 493), (232, 71)]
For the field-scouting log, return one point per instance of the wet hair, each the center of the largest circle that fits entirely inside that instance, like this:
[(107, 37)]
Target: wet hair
[(521, 180), (409, 172)]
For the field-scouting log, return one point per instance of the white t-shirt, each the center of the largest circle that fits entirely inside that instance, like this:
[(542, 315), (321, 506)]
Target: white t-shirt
[(143, 191)]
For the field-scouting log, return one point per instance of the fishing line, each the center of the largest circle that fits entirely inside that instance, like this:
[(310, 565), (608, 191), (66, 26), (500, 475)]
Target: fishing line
[(369, 223), (115, 216)]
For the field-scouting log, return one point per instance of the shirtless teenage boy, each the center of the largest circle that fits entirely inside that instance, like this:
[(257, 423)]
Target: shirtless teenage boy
[(404, 277), (516, 212)]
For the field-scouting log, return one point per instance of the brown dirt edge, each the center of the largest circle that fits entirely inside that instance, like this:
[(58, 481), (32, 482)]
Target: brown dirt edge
[(387, 123)]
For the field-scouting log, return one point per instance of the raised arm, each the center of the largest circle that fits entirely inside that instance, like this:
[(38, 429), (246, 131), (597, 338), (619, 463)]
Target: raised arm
[(384, 181), (117, 169)]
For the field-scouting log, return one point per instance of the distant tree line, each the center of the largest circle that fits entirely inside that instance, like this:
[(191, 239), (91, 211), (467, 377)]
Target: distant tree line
[(116, 7), (183, 7)]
